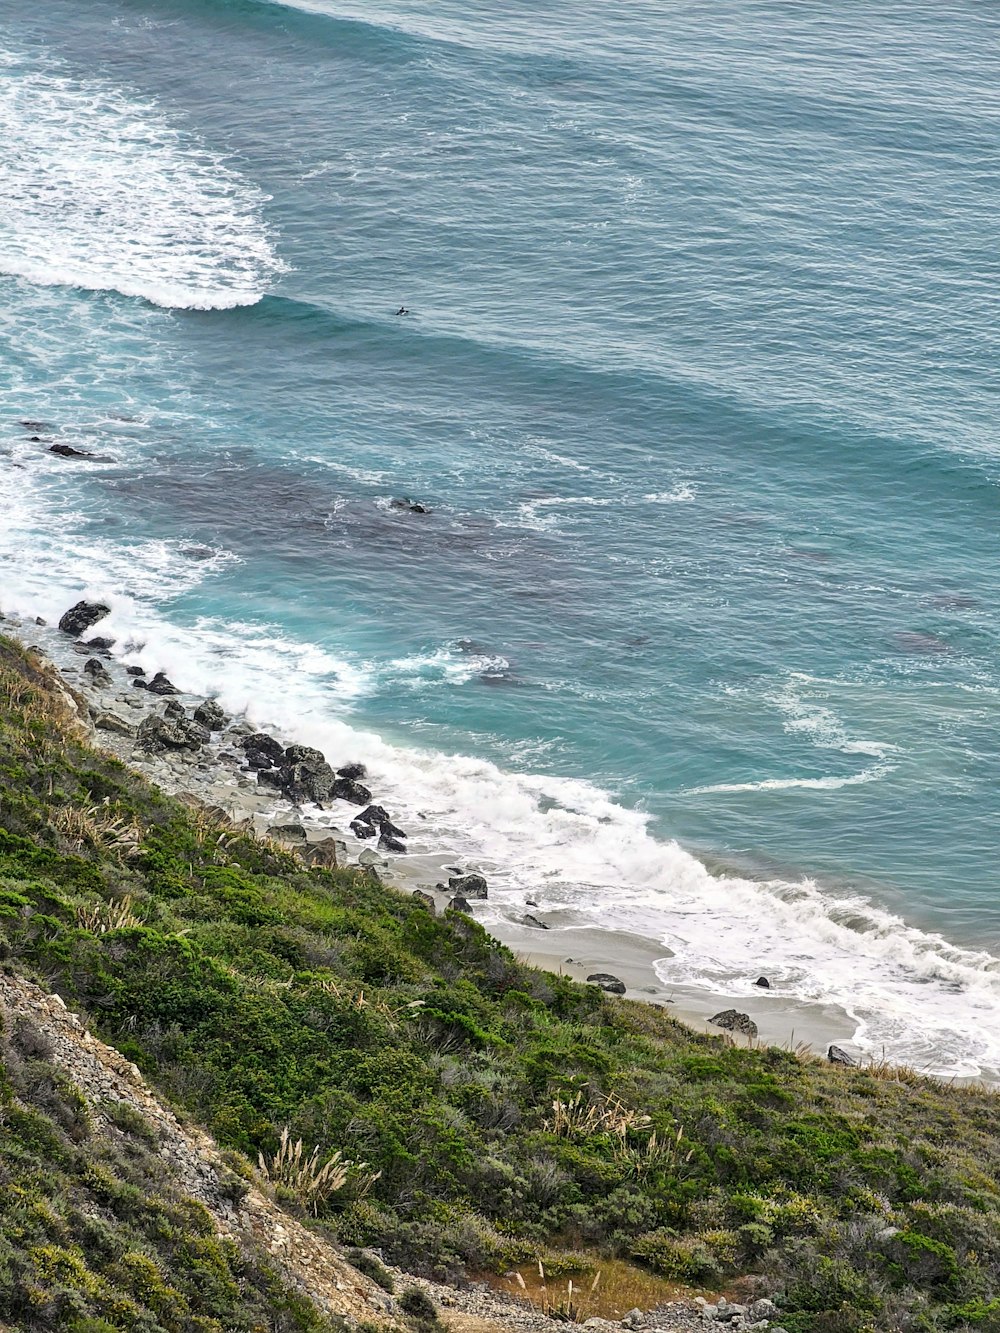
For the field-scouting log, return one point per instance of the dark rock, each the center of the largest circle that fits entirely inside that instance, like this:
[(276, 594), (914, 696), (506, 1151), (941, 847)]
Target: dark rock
[(157, 734), (312, 780), (99, 645), (135, 671), (113, 722), (733, 1021), (264, 744), (534, 922), (80, 617), (530, 902), (40, 621), (347, 789), (269, 777), (410, 506), (352, 771), (613, 985), (294, 834), (427, 901), (160, 685), (763, 983), (362, 829), (837, 1056), (468, 886), (173, 709), (297, 754), (255, 759), (36, 425), (210, 715), (387, 843), (66, 450), (459, 904), (95, 670)]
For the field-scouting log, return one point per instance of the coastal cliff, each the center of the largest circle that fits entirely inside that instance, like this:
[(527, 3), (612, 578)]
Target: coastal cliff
[(451, 1107)]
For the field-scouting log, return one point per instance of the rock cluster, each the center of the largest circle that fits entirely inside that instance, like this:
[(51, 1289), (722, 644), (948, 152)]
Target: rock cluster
[(733, 1021)]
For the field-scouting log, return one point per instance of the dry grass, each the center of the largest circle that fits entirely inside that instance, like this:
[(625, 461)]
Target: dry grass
[(105, 917), (600, 1288), (312, 1182), (97, 826)]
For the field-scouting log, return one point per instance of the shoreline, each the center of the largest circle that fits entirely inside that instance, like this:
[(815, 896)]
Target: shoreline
[(214, 775)]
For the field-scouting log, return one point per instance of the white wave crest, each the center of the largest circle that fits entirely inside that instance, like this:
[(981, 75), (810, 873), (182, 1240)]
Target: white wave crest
[(100, 191), (830, 783)]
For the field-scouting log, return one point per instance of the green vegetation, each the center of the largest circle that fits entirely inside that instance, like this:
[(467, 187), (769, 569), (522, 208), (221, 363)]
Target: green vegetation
[(92, 1236), (484, 1112)]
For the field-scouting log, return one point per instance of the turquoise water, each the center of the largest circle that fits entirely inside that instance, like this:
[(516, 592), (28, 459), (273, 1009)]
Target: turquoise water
[(697, 384)]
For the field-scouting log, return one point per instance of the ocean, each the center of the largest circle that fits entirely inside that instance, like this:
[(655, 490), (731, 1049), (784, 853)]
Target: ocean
[(698, 635)]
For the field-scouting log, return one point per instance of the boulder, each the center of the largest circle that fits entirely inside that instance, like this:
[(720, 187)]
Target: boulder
[(468, 886), (160, 685), (94, 668), (98, 644), (837, 1056), (534, 922), (81, 616), (157, 734), (762, 1309), (733, 1021), (459, 904), (387, 843), (426, 900), (352, 771), (410, 506), (254, 759), (263, 744), (612, 984), (210, 715), (347, 789), (174, 709), (297, 754), (361, 829), (293, 835), (269, 777), (113, 722), (763, 983), (369, 858), (135, 671), (312, 780)]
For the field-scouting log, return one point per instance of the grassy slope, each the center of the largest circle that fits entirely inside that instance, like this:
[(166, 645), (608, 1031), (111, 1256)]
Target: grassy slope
[(257, 994)]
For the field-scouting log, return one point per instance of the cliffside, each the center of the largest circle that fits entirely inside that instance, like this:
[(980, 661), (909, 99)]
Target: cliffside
[(467, 1113)]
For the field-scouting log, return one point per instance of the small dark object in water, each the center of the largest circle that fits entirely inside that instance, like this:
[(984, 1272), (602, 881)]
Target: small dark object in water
[(411, 506), (65, 450), (135, 671), (100, 645), (534, 922), (402, 310), (763, 983)]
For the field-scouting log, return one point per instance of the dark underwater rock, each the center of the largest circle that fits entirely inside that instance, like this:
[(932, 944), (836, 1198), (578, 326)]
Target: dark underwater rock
[(763, 983), (81, 616), (99, 645), (66, 450), (410, 506)]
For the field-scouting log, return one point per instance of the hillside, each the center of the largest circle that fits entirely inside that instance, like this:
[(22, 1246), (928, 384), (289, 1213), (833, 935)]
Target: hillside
[(485, 1113)]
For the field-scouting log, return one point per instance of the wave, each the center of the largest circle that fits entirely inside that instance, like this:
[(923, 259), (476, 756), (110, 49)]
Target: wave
[(564, 841), (831, 783), (101, 192)]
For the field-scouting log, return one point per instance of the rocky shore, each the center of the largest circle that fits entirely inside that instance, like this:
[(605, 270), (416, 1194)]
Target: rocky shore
[(327, 810)]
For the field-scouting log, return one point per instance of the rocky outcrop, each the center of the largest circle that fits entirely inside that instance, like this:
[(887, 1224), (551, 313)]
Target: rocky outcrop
[(210, 715), (838, 1056), (349, 789), (607, 982), (260, 743), (733, 1021), (157, 734), (79, 618), (533, 922), (468, 886), (426, 900), (763, 983)]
